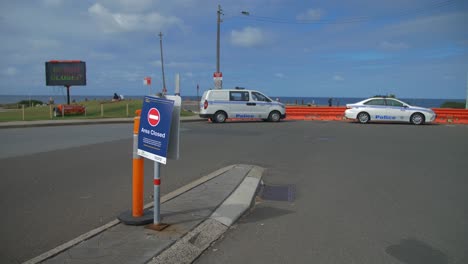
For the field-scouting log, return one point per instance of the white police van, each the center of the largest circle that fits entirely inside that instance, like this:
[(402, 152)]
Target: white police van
[(239, 103)]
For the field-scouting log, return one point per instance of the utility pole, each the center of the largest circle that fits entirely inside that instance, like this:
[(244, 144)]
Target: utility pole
[(220, 12), (218, 76), (164, 90)]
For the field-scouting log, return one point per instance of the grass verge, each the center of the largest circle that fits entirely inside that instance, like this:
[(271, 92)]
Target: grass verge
[(94, 109)]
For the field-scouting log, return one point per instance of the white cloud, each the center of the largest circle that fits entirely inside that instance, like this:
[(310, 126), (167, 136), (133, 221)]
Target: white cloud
[(133, 5), (52, 3), (436, 25), (123, 22), (393, 46), (10, 71), (102, 56), (40, 44), (181, 64), (248, 37), (338, 78), (311, 14), (280, 75)]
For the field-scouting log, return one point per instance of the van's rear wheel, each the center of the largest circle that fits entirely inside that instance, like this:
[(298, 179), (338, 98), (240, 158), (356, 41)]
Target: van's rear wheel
[(274, 116), (219, 117)]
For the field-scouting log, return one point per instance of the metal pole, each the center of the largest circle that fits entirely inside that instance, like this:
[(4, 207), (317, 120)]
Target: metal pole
[(68, 94), (218, 38), (157, 182), (466, 102), (177, 84), (162, 63)]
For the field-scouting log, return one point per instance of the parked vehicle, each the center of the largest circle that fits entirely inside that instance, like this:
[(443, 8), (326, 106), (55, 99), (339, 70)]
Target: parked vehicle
[(239, 103), (389, 110)]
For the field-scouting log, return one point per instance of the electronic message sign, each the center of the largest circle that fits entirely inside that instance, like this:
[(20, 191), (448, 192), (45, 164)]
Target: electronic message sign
[(65, 73)]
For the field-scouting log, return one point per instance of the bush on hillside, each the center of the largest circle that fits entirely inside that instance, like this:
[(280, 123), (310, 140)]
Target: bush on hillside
[(458, 105), (27, 103)]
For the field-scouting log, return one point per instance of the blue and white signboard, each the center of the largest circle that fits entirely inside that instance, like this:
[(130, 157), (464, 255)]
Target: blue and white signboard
[(155, 126)]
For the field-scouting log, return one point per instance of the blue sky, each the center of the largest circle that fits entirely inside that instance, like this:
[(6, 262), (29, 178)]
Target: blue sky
[(322, 48)]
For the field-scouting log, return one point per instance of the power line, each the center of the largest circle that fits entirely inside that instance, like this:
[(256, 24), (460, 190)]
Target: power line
[(401, 13)]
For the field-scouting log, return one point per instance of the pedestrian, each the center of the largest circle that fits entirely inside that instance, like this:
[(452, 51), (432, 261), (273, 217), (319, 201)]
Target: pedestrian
[(330, 101)]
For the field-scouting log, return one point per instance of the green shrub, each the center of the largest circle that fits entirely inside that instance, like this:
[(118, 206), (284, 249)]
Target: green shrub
[(28, 103), (458, 105)]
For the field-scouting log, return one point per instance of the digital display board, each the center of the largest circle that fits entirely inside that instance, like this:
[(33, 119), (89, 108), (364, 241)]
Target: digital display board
[(65, 73)]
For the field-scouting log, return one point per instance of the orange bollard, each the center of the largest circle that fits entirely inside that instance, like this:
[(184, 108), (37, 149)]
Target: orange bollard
[(138, 172), (137, 216)]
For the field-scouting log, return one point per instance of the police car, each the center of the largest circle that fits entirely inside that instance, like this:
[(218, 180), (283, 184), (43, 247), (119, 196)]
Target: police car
[(239, 103), (389, 110)]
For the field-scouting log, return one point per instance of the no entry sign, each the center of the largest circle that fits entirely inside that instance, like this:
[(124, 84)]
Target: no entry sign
[(153, 117), (155, 125)]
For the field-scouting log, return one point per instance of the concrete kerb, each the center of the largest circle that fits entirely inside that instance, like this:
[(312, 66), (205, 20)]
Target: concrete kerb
[(213, 227), (194, 243), (22, 124)]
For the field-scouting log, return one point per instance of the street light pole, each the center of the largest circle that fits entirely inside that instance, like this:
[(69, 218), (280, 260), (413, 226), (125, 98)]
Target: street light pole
[(162, 64)]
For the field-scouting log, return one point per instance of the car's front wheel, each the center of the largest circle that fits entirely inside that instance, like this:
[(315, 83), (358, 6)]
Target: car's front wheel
[(219, 117), (274, 116), (363, 117), (417, 119)]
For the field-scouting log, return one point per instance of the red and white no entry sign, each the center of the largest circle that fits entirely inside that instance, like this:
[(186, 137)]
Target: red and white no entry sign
[(153, 117)]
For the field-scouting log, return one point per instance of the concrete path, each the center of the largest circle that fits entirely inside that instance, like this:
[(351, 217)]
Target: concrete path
[(198, 214)]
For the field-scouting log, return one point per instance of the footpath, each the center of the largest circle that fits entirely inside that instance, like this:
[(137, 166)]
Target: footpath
[(197, 215)]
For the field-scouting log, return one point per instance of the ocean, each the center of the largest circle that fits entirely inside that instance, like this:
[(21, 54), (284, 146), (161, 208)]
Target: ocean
[(320, 101)]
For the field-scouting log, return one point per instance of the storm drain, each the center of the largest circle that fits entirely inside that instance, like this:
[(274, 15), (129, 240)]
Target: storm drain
[(286, 193)]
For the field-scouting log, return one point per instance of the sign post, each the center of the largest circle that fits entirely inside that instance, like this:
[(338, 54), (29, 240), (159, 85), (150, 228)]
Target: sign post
[(153, 143)]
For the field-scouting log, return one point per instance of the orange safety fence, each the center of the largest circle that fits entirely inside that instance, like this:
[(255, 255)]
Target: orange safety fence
[(444, 115), (449, 115), (314, 113)]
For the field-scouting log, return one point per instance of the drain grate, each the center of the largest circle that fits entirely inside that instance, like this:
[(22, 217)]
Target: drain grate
[(286, 193)]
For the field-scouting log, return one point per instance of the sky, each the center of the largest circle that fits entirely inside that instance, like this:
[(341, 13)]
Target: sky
[(321, 48)]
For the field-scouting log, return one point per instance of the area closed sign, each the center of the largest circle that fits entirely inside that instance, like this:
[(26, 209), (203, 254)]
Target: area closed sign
[(154, 131)]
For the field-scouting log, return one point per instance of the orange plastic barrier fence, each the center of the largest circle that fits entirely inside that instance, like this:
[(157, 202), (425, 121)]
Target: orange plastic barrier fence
[(70, 109), (449, 115), (444, 115), (314, 113)]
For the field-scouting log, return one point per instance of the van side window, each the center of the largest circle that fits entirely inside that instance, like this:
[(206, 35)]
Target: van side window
[(239, 96)]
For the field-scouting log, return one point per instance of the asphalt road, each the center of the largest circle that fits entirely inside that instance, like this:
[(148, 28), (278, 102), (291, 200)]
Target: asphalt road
[(364, 193)]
